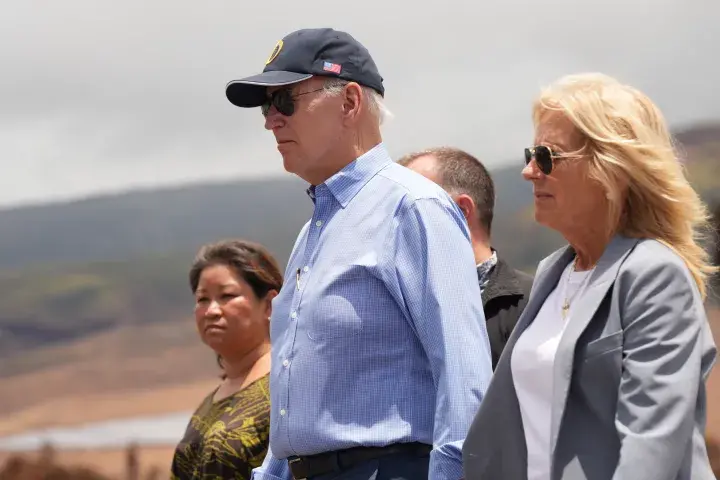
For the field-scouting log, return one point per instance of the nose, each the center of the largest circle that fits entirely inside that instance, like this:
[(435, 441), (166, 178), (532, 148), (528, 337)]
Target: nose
[(531, 171), (213, 309), (274, 119)]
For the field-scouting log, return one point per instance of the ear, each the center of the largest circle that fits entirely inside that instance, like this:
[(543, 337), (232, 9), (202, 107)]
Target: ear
[(268, 302), (467, 205), (352, 102)]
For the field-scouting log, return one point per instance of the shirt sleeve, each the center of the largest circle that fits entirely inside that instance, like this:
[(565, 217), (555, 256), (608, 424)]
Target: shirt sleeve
[(433, 269), (272, 469), (662, 371)]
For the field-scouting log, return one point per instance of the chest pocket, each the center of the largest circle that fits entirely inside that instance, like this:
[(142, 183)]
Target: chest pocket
[(603, 346), (344, 307)]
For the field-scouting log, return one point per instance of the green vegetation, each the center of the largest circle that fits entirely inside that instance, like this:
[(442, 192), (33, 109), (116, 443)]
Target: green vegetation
[(42, 307), (704, 170)]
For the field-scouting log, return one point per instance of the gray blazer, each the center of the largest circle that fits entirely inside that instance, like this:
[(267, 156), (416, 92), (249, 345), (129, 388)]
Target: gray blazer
[(629, 382)]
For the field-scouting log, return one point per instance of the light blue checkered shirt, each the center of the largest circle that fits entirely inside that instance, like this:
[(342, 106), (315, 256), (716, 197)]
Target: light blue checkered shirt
[(381, 336)]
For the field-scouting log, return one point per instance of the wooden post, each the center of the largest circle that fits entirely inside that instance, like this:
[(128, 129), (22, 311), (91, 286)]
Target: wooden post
[(132, 466)]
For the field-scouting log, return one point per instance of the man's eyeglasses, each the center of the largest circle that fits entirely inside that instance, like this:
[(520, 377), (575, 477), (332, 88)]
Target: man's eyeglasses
[(543, 157), (283, 100)]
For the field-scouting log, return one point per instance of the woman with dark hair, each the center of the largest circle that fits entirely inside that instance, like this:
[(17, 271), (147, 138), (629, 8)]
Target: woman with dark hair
[(234, 283)]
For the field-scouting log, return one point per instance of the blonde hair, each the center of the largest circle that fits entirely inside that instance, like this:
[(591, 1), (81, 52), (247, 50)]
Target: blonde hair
[(631, 154)]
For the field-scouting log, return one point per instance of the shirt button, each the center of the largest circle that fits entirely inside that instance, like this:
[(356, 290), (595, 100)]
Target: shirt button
[(286, 362), (293, 314), (306, 268), (282, 412), (318, 223)]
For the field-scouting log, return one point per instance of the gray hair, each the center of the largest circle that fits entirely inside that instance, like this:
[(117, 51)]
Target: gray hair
[(375, 102)]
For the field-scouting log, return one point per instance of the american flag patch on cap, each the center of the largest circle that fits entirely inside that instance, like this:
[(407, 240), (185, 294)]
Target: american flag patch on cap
[(332, 67)]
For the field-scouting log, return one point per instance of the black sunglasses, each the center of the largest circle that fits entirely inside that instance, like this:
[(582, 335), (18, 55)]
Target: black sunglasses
[(543, 157), (283, 100)]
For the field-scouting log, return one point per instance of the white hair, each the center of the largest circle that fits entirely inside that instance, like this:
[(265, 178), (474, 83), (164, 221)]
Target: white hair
[(375, 101)]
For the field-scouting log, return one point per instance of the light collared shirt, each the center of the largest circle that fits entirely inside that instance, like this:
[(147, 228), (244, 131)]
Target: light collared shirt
[(378, 332), (484, 269)]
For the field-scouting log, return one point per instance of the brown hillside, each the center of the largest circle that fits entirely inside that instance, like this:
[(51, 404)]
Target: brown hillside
[(132, 371)]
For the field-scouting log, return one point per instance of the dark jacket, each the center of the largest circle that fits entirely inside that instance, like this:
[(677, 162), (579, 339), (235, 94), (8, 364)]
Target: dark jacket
[(504, 299)]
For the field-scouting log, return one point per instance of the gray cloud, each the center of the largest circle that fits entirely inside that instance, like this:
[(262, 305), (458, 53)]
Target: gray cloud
[(97, 95)]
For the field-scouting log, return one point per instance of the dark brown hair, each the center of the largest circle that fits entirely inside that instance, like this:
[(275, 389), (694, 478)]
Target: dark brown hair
[(251, 261), (461, 173)]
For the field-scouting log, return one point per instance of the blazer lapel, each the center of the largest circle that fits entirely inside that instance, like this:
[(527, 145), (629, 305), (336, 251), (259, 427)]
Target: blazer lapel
[(545, 281), (600, 281), (503, 400)]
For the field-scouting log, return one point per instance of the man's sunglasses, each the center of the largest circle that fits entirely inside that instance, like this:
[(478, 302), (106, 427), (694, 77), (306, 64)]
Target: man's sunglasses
[(283, 100), (543, 157)]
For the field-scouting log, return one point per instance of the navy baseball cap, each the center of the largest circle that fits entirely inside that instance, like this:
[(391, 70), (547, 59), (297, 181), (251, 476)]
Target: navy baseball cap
[(303, 54)]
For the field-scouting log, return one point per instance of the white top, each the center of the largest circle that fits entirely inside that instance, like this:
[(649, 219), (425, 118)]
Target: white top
[(532, 368)]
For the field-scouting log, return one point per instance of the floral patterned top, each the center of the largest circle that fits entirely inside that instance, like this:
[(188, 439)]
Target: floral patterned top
[(226, 439)]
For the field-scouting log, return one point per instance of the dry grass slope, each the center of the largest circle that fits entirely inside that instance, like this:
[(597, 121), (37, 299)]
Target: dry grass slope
[(126, 373), (713, 387), (132, 463)]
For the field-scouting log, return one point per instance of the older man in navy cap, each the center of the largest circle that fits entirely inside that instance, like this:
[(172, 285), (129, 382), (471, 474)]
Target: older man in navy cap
[(380, 355)]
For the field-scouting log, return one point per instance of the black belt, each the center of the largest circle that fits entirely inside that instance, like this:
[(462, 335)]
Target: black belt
[(322, 463)]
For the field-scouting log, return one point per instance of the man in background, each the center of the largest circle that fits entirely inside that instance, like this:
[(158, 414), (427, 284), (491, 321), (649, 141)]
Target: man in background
[(380, 357), (504, 291)]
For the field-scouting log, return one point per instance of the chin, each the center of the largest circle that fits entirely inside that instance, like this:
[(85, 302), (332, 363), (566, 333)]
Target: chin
[(216, 340), (289, 163), (543, 217)]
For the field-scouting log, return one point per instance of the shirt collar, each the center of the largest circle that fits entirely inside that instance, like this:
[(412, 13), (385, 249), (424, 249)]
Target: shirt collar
[(484, 268), (346, 183)]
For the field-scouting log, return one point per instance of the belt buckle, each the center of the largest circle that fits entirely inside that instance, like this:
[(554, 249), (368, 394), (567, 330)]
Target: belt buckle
[(293, 461)]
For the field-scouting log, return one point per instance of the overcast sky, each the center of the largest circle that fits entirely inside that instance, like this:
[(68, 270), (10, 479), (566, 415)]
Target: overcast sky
[(100, 95)]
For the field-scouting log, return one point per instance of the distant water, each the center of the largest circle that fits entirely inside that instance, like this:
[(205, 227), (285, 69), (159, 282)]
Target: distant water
[(151, 430)]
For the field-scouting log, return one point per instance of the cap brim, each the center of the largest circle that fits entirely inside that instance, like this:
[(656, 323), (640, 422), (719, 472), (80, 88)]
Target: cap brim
[(250, 92)]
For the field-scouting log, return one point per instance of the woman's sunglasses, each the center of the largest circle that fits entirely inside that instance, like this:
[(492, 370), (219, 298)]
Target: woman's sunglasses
[(283, 100), (543, 157)]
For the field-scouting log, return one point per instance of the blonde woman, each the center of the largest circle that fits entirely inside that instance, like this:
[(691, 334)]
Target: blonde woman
[(604, 375)]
